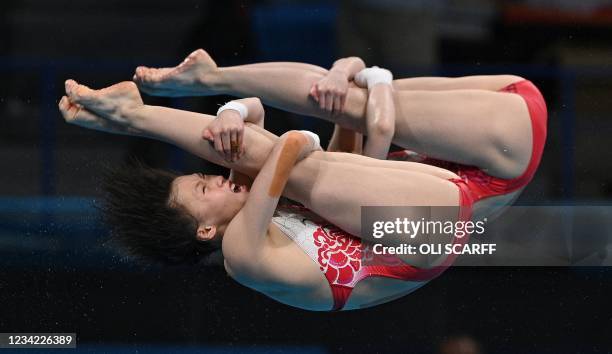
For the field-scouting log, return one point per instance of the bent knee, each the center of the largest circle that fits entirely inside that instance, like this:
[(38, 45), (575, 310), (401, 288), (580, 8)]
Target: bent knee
[(382, 127), (511, 141)]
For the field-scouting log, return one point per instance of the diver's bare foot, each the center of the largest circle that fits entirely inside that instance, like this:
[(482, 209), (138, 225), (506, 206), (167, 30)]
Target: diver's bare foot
[(192, 77), (116, 103)]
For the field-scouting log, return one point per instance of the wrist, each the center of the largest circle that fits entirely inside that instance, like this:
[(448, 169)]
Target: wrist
[(316, 141), (238, 107), (340, 71), (357, 63), (373, 76)]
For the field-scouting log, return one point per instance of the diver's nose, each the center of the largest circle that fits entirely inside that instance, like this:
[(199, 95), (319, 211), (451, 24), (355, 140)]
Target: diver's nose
[(220, 180)]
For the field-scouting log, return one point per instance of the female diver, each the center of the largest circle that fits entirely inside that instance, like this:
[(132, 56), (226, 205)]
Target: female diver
[(489, 130), (308, 258)]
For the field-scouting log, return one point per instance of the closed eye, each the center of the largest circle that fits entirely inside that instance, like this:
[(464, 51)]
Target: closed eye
[(203, 177)]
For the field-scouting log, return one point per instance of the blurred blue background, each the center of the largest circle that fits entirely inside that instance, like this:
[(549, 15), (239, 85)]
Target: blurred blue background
[(57, 274)]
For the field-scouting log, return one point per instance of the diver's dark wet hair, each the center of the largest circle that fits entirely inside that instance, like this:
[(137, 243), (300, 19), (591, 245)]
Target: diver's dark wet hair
[(145, 221)]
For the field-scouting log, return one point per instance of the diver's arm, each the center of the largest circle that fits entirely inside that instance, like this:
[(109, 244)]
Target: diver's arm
[(331, 90), (348, 66), (380, 121), (380, 113), (256, 113), (244, 238), (226, 132)]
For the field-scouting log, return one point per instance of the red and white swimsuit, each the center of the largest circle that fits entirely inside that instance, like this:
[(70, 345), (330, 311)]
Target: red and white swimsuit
[(339, 255)]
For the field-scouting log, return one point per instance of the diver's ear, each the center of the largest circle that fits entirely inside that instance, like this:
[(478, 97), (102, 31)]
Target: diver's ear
[(206, 232)]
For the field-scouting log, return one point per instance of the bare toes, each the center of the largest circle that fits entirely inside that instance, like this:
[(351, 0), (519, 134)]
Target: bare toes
[(62, 102), (69, 86), (142, 72), (68, 109), (72, 90), (76, 92)]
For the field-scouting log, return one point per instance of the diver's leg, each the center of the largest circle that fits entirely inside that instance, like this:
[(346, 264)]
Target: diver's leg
[(486, 129), (475, 82)]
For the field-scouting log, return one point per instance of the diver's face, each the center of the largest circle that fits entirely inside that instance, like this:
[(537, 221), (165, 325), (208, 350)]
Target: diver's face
[(212, 200)]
